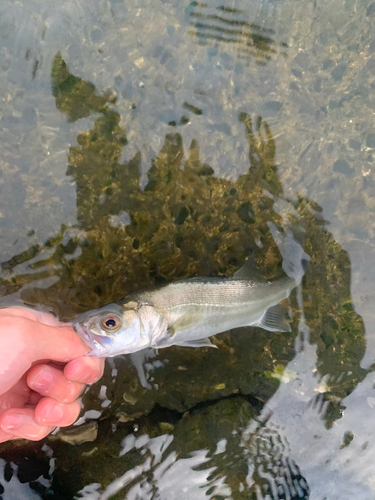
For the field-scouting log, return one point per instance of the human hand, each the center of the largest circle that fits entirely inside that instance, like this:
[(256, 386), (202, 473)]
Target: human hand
[(43, 370)]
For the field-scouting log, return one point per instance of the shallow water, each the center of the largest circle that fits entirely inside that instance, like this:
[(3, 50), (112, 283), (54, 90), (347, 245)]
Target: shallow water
[(145, 142)]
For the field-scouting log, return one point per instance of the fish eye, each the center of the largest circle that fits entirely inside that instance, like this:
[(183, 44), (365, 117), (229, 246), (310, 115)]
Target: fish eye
[(111, 323)]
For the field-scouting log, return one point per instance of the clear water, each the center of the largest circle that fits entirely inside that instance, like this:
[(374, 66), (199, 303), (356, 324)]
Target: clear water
[(144, 142)]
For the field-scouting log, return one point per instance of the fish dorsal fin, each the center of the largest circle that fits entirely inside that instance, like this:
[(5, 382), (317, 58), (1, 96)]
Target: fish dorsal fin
[(247, 272), (274, 320)]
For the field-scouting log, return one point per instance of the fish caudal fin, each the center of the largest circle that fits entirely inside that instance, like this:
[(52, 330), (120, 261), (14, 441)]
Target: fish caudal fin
[(295, 259), (274, 320)]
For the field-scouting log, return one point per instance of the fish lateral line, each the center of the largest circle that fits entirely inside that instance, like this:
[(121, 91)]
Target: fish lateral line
[(202, 304)]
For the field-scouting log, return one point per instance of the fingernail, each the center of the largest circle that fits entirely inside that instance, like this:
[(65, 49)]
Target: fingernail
[(12, 422), (82, 375), (51, 414), (43, 381), (76, 374)]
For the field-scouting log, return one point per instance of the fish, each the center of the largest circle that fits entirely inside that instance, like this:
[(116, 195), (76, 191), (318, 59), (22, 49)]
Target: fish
[(186, 313)]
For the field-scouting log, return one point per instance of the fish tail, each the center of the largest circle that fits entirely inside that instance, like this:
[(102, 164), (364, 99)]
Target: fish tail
[(295, 259)]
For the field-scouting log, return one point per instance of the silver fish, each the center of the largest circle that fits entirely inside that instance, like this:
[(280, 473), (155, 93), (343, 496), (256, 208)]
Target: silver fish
[(186, 313)]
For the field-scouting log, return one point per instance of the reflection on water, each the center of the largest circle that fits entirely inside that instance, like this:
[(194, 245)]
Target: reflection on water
[(229, 29), (230, 457), (264, 416)]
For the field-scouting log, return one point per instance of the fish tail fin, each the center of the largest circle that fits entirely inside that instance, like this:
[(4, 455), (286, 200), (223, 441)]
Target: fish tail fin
[(295, 259)]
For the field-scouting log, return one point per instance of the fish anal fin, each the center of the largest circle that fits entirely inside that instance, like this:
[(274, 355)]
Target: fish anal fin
[(197, 343), (274, 319)]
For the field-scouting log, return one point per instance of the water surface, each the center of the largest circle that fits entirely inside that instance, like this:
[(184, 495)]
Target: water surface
[(145, 142)]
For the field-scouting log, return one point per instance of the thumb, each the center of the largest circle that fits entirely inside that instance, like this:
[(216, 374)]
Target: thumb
[(30, 340), (58, 343), (24, 342)]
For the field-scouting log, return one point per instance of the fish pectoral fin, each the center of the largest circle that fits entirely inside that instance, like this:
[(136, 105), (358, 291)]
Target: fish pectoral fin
[(197, 343), (274, 320), (185, 322)]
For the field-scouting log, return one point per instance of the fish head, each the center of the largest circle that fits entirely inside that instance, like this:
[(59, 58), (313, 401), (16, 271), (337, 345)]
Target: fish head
[(111, 330)]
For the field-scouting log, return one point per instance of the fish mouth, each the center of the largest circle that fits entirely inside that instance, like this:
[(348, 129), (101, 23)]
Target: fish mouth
[(83, 335), (91, 340)]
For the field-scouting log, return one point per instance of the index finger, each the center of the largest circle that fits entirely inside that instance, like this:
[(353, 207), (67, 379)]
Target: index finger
[(85, 370)]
